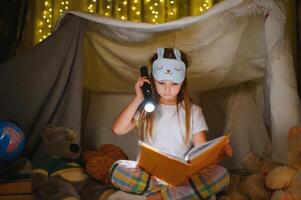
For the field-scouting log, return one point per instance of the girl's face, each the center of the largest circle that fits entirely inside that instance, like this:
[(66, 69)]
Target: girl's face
[(167, 91)]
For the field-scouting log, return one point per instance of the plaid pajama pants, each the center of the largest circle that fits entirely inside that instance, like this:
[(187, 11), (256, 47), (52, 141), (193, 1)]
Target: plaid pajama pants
[(128, 177)]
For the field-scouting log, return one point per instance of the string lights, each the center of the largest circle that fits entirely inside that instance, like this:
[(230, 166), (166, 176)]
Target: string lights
[(121, 9), (49, 12), (64, 6), (91, 6), (105, 7), (150, 11), (154, 11), (198, 7), (135, 13), (44, 22), (172, 10)]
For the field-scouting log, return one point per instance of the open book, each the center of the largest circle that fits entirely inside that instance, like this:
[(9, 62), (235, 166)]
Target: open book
[(174, 170)]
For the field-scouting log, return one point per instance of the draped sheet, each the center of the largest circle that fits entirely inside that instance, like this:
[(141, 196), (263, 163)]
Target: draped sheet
[(233, 43), (44, 85), (241, 45)]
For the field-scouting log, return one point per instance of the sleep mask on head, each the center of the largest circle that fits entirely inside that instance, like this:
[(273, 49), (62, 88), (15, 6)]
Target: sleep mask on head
[(168, 68)]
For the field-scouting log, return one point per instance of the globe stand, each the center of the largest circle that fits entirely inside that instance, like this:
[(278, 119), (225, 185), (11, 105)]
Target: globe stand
[(15, 170)]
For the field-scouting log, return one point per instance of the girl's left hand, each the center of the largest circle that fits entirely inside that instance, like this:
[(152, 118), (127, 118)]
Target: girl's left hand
[(228, 149)]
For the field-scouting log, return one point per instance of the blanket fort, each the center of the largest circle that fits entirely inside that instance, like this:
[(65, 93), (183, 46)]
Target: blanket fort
[(241, 63)]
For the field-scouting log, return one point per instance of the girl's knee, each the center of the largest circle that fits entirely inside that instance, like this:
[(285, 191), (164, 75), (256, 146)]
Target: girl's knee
[(219, 172), (128, 177), (214, 170), (220, 169), (209, 181)]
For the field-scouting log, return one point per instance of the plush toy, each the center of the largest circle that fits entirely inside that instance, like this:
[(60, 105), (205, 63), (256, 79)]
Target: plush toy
[(253, 187), (269, 179), (232, 192), (247, 187), (249, 183), (58, 175), (294, 147), (285, 181), (253, 163), (280, 177), (99, 162)]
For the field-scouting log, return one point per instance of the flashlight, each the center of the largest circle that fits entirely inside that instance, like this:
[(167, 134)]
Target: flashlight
[(148, 103)]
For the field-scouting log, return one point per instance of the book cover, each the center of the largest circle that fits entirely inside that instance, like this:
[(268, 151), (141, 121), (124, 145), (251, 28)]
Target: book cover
[(174, 170)]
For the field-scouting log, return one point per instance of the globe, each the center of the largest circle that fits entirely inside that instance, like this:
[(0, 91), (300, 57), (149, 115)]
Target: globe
[(12, 141)]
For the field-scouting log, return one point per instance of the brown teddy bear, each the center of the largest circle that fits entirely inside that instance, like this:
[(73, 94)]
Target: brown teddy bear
[(232, 192), (99, 162), (249, 183), (59, 175), (246, 187), (294, 147), (285, 181), (269, 179), (253, 163)]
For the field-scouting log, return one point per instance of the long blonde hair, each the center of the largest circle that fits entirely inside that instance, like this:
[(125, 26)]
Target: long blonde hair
[(145, 123)]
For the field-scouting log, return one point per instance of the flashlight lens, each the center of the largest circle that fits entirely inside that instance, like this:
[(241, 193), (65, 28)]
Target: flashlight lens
[(149, 107)]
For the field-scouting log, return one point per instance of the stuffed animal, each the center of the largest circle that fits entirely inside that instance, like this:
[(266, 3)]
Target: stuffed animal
[(253, 187), (99, 162), (232, 192), (249, 183), (253, 163), (285, 181), (294, 147), (59, 175), (273, 179), (246, 187)]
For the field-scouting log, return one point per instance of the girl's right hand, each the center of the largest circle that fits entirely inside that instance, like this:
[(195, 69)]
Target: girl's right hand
[(227, 151), (138, 85)]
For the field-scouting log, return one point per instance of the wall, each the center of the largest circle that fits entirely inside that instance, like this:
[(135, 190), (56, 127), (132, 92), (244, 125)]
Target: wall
[(103, 109)]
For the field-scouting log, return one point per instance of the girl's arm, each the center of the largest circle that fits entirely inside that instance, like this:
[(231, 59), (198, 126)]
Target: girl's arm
[(124, 122), (199, 138)]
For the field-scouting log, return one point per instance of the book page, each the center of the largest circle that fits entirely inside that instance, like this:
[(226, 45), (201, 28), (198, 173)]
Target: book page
[(195, 151), (207, 153)]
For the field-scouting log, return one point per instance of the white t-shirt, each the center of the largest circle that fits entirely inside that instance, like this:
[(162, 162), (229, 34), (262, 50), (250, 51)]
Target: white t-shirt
[(169, 129)]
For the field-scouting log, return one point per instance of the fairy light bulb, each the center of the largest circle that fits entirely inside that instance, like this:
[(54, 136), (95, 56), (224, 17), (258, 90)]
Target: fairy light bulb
[(91, 5), (198, 7), (64, 6), (121, 9), (44, 23), (154, 11)]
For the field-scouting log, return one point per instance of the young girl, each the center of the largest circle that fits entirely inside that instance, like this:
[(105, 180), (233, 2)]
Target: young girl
[(174, 127)]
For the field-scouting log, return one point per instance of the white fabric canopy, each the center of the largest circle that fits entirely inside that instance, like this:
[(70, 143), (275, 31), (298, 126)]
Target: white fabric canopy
[(241, 67)]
